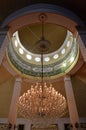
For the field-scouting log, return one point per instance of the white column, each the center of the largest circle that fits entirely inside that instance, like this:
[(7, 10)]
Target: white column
[(60, 125), (74, 118), (28, 125), (4, 40), (14, 102)]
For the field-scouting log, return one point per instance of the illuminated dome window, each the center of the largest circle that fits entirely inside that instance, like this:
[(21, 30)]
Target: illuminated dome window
[(55, 56), (72, 59), (16, 43), (37, 59), (29, 57), (68, 43), (64, 64), (46, 59), (21, 51), (63, 51)]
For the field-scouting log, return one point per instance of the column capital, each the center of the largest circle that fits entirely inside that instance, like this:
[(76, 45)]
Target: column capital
[(67, 77), (18, 79)]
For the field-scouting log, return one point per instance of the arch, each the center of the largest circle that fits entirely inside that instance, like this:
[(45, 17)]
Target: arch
[(55, 14), (58, 13)]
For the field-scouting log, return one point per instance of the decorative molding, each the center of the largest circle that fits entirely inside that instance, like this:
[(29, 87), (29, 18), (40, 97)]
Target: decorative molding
[(82, 47), (57, 68), (43, 8), (61, 122)]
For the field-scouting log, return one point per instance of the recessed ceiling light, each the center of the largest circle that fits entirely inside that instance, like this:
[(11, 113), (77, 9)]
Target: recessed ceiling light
[(68, 43), (29, 57), (63, 51), (46, 59), (21, 51), (16, 43), (37, 59), (55, 56)]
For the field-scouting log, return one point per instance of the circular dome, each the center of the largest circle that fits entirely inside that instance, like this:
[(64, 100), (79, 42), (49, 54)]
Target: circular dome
[(60, 50), (30, 35)]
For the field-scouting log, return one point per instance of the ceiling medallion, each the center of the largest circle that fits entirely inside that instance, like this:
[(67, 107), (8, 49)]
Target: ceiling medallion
[(43, 44)]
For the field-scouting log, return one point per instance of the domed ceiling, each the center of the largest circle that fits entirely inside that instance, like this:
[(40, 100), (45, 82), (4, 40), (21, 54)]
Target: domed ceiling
[(60, 56), (29, 36)]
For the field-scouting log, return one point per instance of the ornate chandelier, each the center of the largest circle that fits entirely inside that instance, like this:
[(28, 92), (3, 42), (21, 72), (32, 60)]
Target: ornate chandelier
[(42, 100)]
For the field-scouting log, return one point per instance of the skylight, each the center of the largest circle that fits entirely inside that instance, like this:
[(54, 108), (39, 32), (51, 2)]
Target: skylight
[(55, 56), (21, 51), (37, 59), (63, 51), (29, 57), (46, 59)]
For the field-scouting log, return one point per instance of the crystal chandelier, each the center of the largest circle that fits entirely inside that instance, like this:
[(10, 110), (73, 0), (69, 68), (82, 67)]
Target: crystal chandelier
[(42, 100)]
